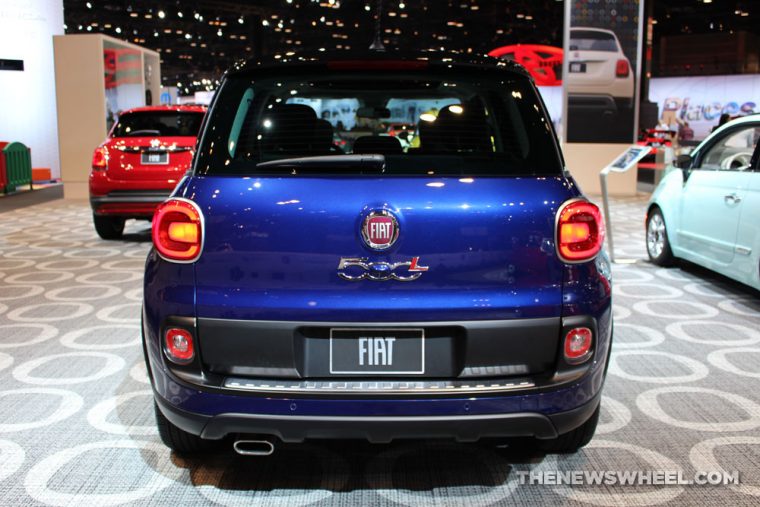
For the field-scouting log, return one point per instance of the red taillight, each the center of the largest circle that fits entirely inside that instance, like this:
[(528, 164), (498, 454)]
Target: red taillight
[(622, 68), (178, 230), (179, 345), (580, 231), (578, 343), (99, 158)]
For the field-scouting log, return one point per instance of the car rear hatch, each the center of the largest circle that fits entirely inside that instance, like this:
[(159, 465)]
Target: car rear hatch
[(149, 158), (273, 248), (464, 218), (592, 58), (592, 67)]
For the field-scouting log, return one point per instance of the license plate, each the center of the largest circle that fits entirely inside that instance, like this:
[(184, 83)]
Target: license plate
[(373, 351), (155, 157), (577, 67)]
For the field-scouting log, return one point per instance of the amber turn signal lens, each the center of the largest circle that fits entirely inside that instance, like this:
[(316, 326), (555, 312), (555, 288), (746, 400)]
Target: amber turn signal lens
[(183, 232)]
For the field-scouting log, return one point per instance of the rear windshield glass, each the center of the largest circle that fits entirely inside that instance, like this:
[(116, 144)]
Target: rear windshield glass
[(420, 123), (158, 124), (591, 40)]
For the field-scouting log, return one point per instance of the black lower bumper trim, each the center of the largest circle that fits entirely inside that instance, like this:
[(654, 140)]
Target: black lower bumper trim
[(382, 429), (129, 198)]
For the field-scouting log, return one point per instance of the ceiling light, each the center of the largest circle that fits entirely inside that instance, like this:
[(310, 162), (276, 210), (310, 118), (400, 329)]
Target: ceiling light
[(241, 20), (161, 14), (179, 13)]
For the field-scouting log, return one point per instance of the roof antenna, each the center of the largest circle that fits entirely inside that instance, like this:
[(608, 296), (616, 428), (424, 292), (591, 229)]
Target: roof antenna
[(377, 43)]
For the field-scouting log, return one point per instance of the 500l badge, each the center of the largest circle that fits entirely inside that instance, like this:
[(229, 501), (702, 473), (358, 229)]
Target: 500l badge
[(355, 269)]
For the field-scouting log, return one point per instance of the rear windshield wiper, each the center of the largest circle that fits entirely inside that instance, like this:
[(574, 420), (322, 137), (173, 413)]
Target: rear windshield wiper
[(326, 164)]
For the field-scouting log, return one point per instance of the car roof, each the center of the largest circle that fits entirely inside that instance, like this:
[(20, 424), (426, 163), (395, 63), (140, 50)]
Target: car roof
[(165, 108), (750, 118), (365, 60)]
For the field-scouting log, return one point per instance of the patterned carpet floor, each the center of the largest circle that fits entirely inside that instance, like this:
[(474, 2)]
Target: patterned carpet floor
[(76, 421)]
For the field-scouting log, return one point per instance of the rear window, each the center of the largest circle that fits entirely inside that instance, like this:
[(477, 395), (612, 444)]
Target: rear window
[(591, 40), (420, 123), (159, 124)]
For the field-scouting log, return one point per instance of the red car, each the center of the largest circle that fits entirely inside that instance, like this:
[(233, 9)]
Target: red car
[(146, 153)]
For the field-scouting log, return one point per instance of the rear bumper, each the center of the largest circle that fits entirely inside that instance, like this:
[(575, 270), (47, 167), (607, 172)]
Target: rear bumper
[(128, 203), (382, 429), (548, 406)]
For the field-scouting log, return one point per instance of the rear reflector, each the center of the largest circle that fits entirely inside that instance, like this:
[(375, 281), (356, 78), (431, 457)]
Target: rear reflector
[(580, 231), (377, 65), (179, 345), (622, 69), (578, 343), (178, 230)]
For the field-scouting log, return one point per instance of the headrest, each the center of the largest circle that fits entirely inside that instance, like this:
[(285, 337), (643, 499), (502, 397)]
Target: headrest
[(289, 128), (382, 145)]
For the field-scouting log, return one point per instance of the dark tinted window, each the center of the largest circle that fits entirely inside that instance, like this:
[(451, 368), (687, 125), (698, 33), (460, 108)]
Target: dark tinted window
[(158, 124), (422, 124), (591, 40)]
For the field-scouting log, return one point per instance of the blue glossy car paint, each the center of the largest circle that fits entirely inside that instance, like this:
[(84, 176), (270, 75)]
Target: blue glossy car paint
[(170, 289), (272, 245)]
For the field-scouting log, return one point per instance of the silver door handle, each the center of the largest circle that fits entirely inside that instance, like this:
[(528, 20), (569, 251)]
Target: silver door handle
[(732, 199)]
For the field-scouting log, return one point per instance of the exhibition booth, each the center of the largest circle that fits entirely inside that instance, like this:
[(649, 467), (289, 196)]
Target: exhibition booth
[(379, 253)]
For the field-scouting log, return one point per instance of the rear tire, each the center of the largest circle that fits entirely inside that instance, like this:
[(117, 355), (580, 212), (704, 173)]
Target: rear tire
[(108, 227), (658, 245), (573, 440), (179, 440)]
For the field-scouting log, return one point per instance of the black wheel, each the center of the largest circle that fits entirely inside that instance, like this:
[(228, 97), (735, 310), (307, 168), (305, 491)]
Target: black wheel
[(572, 440), (179, 440), (658, 246), (108, 227)]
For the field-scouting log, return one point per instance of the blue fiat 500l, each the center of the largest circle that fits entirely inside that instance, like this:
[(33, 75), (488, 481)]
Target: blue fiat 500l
[(319, 274)]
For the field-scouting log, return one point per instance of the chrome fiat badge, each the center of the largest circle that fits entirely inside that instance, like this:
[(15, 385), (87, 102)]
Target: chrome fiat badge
[(380, 230)]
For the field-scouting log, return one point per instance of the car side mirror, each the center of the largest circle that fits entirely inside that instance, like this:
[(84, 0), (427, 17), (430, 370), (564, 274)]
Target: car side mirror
[(683, 161)]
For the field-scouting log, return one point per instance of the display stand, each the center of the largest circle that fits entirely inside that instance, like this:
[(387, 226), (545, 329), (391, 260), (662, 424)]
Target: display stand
[(628, 159)]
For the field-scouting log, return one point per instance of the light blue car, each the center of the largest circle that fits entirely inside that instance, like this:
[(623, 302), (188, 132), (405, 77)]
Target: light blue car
[(706, 209)]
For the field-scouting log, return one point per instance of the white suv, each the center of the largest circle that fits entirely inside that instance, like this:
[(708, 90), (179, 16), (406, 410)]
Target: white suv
[(599, 74)]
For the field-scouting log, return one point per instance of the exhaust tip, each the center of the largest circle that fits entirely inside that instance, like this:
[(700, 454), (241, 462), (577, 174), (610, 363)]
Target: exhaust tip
[(253, 447)]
